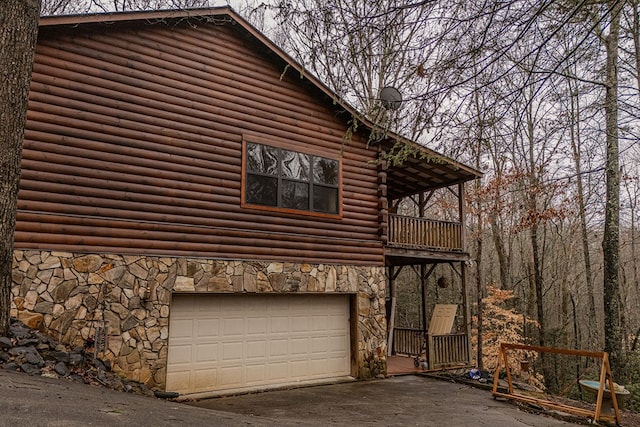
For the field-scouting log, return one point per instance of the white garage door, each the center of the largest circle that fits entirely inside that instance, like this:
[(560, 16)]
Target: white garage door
[(228, 343)]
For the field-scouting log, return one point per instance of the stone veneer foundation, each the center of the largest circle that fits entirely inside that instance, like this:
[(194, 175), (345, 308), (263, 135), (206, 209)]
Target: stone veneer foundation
[(68, 295)]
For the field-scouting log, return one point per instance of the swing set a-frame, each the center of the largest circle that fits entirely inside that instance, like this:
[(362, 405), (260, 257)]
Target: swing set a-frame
[(606, 388)]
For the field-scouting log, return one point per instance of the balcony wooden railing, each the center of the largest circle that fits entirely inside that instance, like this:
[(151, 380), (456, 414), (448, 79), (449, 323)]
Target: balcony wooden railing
[(407, 341), (448, 350), (422, 233), (442, 351)]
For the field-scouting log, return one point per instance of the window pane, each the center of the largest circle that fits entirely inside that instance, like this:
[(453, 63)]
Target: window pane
[(262, 159), (325, 171), (262, 190), (295, 165), (325, 199), (295, 195)]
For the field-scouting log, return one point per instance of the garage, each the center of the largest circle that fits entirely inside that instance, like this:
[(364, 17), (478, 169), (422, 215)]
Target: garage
[(231, 343)]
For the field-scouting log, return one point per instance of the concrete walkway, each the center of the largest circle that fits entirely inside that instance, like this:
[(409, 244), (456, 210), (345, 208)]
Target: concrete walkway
[(399, 401)]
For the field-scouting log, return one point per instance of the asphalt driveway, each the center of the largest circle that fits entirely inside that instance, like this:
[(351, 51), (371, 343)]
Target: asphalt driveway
[(397, 401), (33, 401)]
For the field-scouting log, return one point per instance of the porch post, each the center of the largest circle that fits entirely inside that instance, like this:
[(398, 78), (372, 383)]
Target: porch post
[(392, 311), (462, 214), (465, 304), (423, 269), (423, 288)]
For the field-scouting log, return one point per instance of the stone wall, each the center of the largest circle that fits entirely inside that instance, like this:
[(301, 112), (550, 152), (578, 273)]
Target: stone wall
[(69, 295)]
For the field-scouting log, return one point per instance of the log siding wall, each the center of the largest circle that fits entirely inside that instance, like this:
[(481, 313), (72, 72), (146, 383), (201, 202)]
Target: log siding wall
[(133, 144)]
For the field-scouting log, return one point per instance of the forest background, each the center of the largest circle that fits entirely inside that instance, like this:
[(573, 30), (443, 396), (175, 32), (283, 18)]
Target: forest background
[(544, 98)]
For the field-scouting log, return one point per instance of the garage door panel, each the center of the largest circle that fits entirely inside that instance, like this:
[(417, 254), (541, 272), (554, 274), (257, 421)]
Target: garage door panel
[(182, 328), (231, 376), (256, 374), (182, 353), (233, 327), (208, 328), (299, 323), (256, 325), (278, 347), (319, 323), (203, 378), (336, 344), (299, 346), (206, 352), (278, 371), (279, 324), (230, 342), (319, 345), (232, 350), (318, 366), (256, 349)]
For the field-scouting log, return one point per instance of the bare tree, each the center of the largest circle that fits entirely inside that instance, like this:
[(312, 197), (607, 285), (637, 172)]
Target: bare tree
[(611, 235), (65, 7), (18, 32)]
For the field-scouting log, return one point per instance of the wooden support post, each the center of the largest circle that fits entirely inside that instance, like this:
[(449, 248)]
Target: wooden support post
[(392, 321), (392, 293), (465, 307)]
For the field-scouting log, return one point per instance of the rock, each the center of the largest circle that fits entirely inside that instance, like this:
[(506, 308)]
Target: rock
[(19, 302), (99, 365), (90, 302), (144, 390), (5, 343), (54, 361), (184, 284), (35, 359), (30, 369), (28, 342), (76, 359), (87, 264), (106, 364), (77, 378), (18, 330), (62, 323), (11, 366), (73, 302), (61, 369), (275, 267), (62, 291), (60, 356), (17, 351), (129, 323), (51, 262), (117, 384), (119, 309), (44, 307), (113, 274)]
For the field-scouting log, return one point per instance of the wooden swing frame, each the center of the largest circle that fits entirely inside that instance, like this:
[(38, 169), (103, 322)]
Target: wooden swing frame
[(606, 378)]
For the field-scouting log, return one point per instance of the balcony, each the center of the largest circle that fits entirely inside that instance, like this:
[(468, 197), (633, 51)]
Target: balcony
[(412, 238)]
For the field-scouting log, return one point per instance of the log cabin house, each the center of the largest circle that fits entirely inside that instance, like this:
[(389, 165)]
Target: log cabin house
[(191, 206)]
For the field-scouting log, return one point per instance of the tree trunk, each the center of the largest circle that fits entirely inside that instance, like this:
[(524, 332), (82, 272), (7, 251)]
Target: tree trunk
[(611, 237), (584, 231), (501, 251), (479, 289), (18, 33)]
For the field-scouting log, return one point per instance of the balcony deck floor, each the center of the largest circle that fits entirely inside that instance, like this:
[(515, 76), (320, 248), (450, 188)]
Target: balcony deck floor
[(401, 365)]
